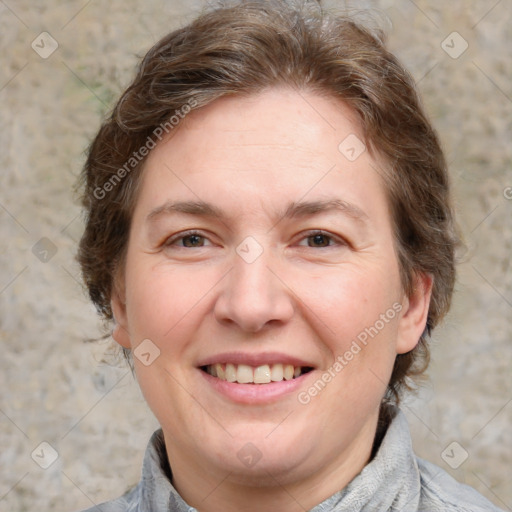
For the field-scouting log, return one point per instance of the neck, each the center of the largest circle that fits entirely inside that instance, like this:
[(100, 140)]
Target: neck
[(209, 489)]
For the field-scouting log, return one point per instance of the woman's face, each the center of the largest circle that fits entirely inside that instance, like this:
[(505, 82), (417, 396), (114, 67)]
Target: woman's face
[(261, 248)]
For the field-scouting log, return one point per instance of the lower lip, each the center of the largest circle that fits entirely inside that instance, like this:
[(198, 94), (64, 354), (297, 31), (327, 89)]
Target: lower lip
[(255, 393)]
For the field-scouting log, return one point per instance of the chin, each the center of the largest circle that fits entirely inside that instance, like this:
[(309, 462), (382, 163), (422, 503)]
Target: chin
[(268, 471), (262, 459)]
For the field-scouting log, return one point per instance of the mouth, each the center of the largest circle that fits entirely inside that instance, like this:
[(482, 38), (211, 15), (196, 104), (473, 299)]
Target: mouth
[(262, 374)]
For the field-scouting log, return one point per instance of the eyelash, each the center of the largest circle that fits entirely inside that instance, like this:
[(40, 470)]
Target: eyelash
[(309, 234), (181, 236), (332, 238)]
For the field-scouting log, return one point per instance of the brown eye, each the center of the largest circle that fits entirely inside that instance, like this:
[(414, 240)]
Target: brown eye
[(193, 241), (188, 240), (319, 240)]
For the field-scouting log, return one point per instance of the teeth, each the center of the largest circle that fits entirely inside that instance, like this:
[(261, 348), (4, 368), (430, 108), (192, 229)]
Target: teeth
[(276, 373), (262, 374), (230, 372), (220, 373), (245, 374)]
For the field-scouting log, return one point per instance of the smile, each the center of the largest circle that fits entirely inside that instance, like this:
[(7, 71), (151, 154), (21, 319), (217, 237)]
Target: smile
[(263, 374)]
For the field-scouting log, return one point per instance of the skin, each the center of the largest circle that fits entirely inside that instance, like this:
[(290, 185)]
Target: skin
[(304, 296)]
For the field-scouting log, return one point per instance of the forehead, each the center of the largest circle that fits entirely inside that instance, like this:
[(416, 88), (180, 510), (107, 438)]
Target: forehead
[(276, 145), (278, 118)]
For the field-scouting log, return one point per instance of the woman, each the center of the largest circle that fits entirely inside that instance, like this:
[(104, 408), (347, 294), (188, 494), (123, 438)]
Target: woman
[(269, 230)]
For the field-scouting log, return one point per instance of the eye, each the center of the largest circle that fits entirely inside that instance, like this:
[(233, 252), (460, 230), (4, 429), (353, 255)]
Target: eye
[(191, 239), (320, 239)]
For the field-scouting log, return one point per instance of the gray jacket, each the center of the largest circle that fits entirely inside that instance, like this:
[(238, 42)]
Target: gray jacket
[(394, 481)]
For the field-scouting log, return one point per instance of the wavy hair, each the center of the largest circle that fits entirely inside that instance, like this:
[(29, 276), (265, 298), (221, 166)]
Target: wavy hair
[(245, 47)]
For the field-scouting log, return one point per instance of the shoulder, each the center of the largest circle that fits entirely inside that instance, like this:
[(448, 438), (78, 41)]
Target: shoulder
[(440, 492), (126, 503), (154, 492)]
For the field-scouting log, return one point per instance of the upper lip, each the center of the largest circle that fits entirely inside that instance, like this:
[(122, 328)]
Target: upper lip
[(254, 359)]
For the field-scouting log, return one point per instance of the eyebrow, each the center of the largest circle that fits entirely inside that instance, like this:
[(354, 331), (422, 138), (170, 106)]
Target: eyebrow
[(305, 208), (199, 208), (296, 209)]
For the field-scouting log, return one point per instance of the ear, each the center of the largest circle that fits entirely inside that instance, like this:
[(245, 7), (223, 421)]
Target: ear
[(414, 313), (118, 305)]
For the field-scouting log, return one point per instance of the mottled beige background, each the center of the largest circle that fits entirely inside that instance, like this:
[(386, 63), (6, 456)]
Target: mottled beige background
[(55, 388)]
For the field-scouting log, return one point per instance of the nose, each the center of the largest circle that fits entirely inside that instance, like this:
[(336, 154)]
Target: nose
[(254, 296)]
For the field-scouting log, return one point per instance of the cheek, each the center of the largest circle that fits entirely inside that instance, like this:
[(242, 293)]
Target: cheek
[(349, 300), (356, 320), (162, 300)]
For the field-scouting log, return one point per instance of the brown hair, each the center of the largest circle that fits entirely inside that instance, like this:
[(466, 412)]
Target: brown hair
[(244, 48)]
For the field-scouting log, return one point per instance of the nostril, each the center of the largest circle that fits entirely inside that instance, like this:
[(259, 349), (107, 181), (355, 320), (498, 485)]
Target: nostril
[(252, 299)]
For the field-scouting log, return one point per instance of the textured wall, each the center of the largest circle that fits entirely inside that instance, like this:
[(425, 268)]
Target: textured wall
[(56, 389)]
